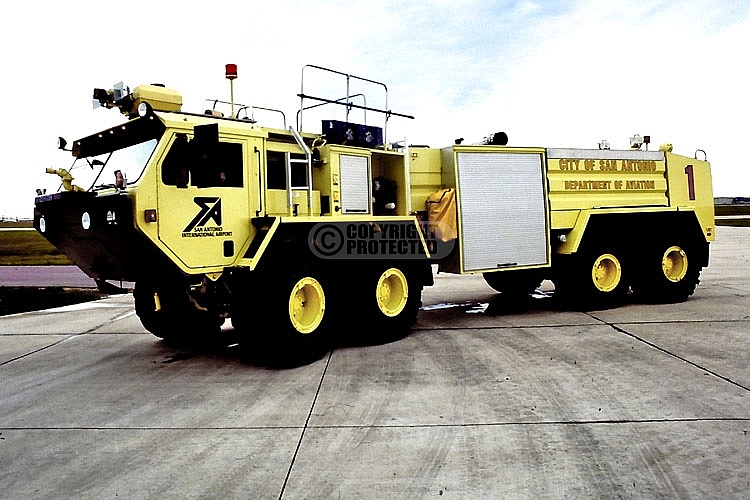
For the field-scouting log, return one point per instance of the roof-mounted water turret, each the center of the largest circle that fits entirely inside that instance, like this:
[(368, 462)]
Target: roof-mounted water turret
[(140, 101)]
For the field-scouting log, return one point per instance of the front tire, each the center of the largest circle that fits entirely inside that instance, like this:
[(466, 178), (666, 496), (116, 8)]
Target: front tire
[(168, 312)]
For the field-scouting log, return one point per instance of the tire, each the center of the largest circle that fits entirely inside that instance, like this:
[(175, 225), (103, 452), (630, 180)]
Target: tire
[(513, 283), (169, 313), (244, 307), (670, 272), (391, 300), (296, 311), (594, 279)]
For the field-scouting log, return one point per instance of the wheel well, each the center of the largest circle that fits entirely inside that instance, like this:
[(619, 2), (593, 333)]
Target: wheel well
[(292, 244), (635, 231)]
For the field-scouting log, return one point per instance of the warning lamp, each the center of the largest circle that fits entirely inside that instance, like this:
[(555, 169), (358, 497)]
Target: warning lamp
[(231, 74)]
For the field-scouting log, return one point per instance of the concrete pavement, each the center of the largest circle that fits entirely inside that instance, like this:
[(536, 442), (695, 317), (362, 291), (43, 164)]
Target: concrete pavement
[(644, 401)]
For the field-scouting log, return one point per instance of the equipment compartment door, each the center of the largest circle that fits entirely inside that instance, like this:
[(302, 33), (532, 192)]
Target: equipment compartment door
[(503, 219), (355, 184)]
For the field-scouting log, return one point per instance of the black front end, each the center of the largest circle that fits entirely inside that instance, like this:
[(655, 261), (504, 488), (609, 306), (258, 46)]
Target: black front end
[(96, 231)]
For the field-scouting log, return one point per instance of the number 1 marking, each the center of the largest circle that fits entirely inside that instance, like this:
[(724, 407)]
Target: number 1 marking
[(691, 182)]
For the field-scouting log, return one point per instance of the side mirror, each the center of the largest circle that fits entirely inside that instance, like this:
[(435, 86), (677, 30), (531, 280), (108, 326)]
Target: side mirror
[(206, 136), (203, 148)]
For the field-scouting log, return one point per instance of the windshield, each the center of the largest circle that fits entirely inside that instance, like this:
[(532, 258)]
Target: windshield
[(120, 152), (98, 172)]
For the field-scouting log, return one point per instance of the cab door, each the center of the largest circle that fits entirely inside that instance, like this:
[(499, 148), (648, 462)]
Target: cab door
[(203, 201)]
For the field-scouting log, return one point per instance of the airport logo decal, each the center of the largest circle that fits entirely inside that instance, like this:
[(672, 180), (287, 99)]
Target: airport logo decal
[(210, 211)]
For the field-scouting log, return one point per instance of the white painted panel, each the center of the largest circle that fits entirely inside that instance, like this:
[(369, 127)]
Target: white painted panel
[(503, 210), (355, 184)]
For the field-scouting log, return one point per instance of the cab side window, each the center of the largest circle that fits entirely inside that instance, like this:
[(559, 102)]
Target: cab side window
[(216, 165), (224, 167), (276, 168), (175, 169)]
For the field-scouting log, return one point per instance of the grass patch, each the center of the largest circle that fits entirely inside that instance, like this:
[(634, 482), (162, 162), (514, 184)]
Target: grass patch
[(27, 224), (731, 215), (734, 222), (743, 209), (29, 248), (23, 299)]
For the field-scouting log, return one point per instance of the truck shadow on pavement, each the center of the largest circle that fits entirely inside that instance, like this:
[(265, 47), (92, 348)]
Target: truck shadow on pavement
[(277, 355)]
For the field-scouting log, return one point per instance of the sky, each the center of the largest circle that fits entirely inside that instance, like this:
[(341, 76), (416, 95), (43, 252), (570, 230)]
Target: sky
[(551, 74)]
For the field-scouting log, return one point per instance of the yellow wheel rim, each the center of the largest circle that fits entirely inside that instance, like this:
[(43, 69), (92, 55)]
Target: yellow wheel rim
[(392, 292), (307, 305), (674, 264), (606, 273)]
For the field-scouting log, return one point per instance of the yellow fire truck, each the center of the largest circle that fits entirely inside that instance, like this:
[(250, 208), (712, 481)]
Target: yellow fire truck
[(215, 215)]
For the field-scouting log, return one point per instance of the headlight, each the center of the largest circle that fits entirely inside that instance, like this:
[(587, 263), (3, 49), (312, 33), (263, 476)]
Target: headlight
[(86, 221), (143, 109)]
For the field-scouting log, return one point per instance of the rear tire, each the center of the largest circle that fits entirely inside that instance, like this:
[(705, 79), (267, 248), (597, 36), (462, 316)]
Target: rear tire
[(670, 273), (593, 279)]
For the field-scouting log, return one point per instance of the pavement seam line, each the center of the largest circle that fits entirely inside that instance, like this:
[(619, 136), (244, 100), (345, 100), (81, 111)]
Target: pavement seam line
[(674, 355), (559, 325), (90, 331), (399, 426), (306, 426), (38, 350)]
